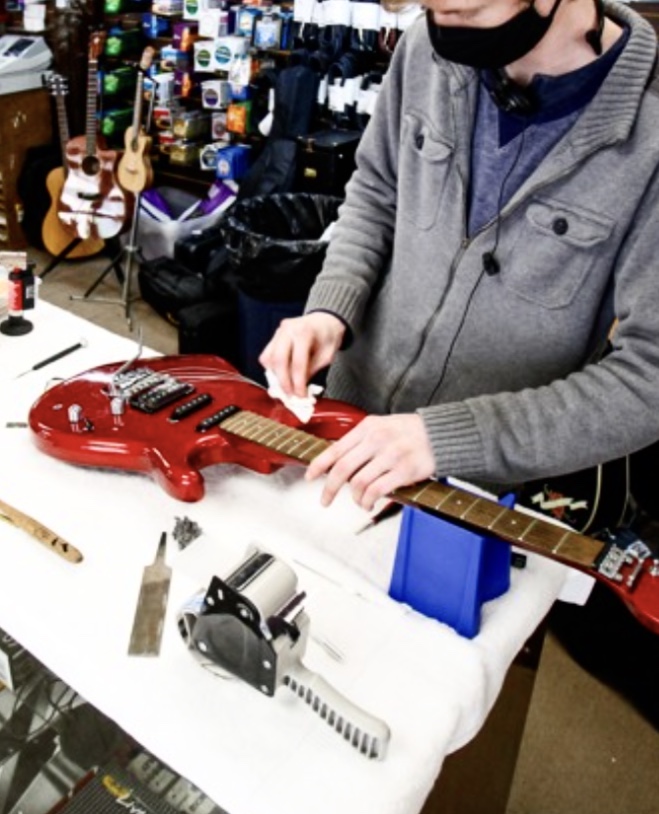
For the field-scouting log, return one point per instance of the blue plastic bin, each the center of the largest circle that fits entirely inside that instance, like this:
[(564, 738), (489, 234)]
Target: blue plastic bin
[(447, 572)]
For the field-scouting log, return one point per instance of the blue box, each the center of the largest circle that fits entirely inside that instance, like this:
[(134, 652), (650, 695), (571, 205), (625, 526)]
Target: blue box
[(446, 572), (232, 162)]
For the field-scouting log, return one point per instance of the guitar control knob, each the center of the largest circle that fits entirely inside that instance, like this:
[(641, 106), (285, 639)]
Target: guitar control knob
[(75, 413), (118, 405)]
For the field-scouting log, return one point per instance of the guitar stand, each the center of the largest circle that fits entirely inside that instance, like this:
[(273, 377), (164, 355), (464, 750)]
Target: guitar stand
[(126, 255), (60, 257)]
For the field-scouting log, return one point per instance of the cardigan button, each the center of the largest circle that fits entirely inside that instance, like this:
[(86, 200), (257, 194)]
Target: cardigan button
[(560, 226), (419, 141)]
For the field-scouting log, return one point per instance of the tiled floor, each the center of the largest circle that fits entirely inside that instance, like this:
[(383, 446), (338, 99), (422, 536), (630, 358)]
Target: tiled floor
[(52, 743)]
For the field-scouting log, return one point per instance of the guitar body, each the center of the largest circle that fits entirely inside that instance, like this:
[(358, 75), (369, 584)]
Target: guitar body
[(56, 235), (588, 501), (182, 414), (92, 204), (172, 453), (134, 171)]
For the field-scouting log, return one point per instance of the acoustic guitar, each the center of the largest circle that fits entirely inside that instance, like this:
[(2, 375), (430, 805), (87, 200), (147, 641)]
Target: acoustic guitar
[(57, 235), (92, 203), (134, 171), (173, 416)]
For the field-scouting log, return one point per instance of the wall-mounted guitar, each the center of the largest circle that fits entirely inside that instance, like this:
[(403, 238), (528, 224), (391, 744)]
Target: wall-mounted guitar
[(173, 416), (91, 201), (57, 235), (134, 170)]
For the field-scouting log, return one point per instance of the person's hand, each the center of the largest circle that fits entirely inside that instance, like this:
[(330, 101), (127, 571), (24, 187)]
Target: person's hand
[(380, 454), (301, 347)]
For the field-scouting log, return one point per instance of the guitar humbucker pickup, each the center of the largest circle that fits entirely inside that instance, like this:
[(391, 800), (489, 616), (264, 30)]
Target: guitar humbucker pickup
[(161, 396)]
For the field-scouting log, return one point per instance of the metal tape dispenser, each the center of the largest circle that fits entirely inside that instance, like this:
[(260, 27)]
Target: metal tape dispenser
[(253, 625)]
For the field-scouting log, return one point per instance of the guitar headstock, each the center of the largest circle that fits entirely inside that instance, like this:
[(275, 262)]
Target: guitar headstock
[(57, 85), (147, 58), (96, 45)]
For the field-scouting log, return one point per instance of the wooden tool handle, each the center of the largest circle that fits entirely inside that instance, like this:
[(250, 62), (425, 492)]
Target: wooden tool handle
[(41, 533)]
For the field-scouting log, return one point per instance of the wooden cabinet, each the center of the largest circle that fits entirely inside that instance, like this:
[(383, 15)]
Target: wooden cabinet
[(26, 121)]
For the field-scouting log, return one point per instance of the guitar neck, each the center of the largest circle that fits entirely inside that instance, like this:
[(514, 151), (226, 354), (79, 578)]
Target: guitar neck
[(92, 90), (62, 125), (137, 111), (145, 64), (529, 533)]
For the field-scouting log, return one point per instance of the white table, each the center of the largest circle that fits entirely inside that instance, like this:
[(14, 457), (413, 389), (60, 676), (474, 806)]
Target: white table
[(250, 753)]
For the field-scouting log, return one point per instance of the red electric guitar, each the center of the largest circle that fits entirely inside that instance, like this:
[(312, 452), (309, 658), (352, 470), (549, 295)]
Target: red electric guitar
[(173, 416), (92, 204)]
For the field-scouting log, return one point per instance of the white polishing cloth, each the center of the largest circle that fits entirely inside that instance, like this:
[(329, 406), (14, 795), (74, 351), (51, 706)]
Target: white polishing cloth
[(301, 407)]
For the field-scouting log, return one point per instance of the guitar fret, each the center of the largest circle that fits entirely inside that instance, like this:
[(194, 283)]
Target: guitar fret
[(309, 454), (512, 526), (484, 507), (296, 438), (91, 107), (455, 504), (260, 435), (414, 494), (273, 431), (300, 452), (564, 539), (283, 438), (270, 436)]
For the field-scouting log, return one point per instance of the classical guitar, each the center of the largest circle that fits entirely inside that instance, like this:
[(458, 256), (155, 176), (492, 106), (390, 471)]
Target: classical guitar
[(173, 416), (57, 235), (134, 171), (92, 203)]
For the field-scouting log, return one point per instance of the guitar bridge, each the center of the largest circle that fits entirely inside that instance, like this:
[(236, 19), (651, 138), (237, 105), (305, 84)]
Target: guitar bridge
[(623, 563)]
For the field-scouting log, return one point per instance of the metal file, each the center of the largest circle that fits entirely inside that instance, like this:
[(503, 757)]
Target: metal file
[(151, 608)]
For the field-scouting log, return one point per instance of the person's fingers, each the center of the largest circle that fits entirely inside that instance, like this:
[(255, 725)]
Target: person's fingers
[(377, 456), (299, 366)]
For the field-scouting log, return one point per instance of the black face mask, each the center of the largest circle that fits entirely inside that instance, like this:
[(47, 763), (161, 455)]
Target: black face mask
[(491, 47)]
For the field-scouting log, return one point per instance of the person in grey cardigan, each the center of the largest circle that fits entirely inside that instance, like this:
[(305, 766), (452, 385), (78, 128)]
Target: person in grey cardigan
[(502, 217)]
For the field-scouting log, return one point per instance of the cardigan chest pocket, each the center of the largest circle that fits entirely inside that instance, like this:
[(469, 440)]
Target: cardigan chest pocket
[(554, 251), (424, 160)]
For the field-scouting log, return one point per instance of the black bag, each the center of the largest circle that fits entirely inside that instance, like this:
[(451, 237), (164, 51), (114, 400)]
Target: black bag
[(168, 286), (274, 170), (325, 161), (201, 248), (211, 327)]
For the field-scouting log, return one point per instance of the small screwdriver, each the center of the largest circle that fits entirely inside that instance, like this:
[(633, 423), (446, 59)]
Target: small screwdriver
[(50, 359)]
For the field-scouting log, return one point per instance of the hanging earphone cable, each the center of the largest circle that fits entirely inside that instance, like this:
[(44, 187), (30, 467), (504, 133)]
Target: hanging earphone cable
[(490, 263)]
